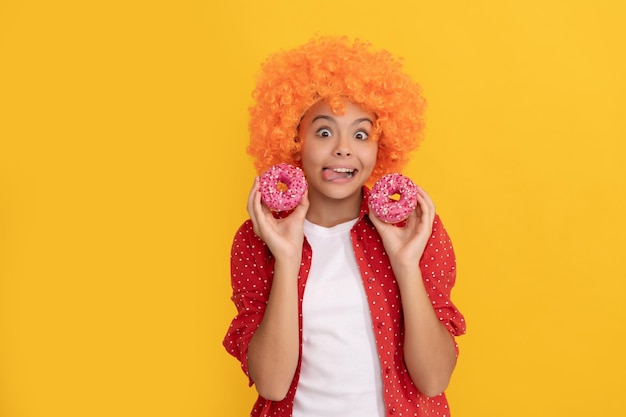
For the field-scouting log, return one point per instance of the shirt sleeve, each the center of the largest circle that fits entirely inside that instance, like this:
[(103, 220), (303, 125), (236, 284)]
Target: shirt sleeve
[(438, 265), (251, 281)]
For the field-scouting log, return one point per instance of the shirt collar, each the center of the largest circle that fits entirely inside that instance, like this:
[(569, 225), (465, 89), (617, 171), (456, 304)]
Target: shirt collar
[(365, 208)]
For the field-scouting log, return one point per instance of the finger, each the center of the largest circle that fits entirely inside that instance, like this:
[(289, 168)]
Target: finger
[(303, 206), (305, 199), (413, 218), (428, 202), (426, 205), (252, 194), (254, 205)]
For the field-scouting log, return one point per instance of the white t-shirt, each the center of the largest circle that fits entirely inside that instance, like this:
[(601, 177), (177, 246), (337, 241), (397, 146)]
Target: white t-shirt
[(340, 372)]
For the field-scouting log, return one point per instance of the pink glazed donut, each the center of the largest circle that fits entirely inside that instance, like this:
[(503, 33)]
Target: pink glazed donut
[(386, 208), (282, 200)]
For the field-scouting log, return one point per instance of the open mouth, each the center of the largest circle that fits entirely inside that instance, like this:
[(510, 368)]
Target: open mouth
[(348, 172), (339, 173)]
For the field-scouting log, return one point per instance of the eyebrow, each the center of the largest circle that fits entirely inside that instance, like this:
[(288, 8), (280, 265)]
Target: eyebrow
[(331, 119), (324, 117), (363, 119)]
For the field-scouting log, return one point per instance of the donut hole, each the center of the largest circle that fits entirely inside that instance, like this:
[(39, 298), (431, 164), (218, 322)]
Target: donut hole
[(395, 197), (281, 186)]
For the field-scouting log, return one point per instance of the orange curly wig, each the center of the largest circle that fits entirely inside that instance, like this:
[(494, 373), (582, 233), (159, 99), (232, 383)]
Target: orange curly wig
[(329, 68)]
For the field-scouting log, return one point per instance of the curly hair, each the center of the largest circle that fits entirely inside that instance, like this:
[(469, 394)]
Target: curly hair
[(331, 68)]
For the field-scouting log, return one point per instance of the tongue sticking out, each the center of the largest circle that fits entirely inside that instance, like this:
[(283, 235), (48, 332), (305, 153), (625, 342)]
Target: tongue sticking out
[(331, 175)]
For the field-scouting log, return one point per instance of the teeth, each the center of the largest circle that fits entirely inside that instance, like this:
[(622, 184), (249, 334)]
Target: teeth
[(348, 171)]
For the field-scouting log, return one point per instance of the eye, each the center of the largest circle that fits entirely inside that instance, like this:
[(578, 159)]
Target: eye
[(323, 132), (361, 135)]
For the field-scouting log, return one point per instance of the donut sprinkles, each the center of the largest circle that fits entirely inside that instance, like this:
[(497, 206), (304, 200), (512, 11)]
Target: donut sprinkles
[(282, 200), (384, 206)]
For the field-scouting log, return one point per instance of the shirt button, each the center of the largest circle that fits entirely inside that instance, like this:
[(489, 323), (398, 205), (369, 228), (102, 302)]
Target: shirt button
[(388, 369), (392, 410), (381, 324), (371, 279)]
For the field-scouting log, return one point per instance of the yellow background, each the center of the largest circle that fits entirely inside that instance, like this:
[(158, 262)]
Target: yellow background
[(123, 177)]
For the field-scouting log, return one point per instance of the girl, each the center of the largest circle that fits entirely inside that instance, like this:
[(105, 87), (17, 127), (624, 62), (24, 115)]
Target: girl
[(339, 313)]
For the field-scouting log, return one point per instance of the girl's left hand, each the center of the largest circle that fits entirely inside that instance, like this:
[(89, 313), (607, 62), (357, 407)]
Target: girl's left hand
[(405, 245)]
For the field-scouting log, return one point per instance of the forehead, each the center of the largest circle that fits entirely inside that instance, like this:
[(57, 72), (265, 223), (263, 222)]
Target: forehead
[(323, 108)]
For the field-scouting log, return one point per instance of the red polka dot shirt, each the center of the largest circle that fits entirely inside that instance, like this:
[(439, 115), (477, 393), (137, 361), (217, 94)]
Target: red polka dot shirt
[(252, 267)]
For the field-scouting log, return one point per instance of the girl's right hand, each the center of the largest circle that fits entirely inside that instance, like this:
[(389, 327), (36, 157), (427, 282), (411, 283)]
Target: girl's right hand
[(283, 236)]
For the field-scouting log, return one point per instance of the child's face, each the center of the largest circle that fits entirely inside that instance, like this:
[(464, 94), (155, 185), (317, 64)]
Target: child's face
[(338, 151)]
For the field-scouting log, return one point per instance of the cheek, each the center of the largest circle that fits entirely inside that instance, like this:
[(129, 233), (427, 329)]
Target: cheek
[(306, 157), (373, 152)]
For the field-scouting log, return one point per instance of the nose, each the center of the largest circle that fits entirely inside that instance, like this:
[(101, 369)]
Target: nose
[(342, 148)]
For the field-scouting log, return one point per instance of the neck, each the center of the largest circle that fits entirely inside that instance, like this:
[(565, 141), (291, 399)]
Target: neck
[(328, 212)]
